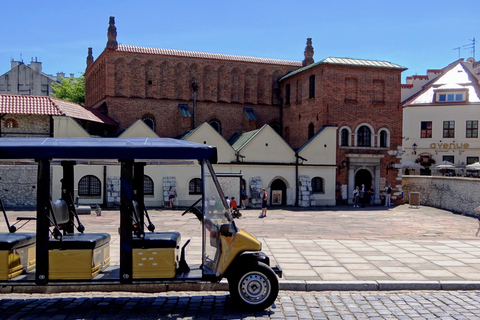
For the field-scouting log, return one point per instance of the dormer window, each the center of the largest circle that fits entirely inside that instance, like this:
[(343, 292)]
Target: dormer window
[(451, 93), (449, 97)]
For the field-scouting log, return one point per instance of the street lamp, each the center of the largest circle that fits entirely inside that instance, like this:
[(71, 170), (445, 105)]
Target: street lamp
[(391, 166)]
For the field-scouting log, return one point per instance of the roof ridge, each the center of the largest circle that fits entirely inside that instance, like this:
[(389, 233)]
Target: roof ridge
[(56, 106), (206, 55)]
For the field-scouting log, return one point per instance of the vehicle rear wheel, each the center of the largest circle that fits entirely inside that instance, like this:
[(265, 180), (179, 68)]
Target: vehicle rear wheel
[(255, 289)]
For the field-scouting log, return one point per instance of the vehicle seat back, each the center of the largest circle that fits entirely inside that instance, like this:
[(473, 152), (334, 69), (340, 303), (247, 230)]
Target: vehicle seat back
[(60, 212)]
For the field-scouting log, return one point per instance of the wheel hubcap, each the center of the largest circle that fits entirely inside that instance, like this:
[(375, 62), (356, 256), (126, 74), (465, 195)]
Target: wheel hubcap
[(254, 288)]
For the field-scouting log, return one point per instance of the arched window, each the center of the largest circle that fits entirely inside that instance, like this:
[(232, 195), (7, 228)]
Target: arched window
[(216, 125), (344, 135), (10, 123), (149, 120), (147, 186), (195, 186), (276, 126), (89, 186), (318, 185), (311, 130), (383, 139), (364, 137)]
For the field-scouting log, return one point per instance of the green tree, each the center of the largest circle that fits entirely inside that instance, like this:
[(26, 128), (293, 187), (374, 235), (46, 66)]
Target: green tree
[(71, 90)]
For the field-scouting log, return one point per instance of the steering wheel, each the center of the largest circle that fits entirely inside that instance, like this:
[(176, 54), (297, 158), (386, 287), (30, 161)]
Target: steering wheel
[(194, 210)]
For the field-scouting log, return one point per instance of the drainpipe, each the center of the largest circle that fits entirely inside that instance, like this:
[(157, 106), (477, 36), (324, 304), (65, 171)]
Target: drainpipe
[(297, 156), (195, 87), (278, 94)]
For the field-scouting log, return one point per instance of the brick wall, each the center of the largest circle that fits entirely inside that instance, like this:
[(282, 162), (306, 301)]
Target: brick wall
[(134, 84), (346, 96)]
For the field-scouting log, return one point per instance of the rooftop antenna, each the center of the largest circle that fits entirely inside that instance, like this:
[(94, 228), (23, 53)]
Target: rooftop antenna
[(458, 51), (470, 46)]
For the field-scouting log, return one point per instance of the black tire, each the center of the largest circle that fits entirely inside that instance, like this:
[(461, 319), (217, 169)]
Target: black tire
[(255, 289)]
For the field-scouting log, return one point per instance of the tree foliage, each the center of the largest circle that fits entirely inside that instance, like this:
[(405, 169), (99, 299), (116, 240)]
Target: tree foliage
[(71, 90)]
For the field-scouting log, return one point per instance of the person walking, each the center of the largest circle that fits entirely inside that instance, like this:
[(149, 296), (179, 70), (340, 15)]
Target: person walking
[(264, 195), (244, 196), (356, 194), (388, 195), (171, 197), (363, 195)]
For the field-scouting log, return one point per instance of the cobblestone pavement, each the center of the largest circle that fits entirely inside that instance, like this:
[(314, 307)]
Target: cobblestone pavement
[(217, 305)]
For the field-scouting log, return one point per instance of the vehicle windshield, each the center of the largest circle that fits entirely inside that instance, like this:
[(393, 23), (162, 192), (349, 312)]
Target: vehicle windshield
[(216, 213)]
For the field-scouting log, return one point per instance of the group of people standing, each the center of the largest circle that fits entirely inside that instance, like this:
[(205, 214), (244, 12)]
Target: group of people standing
[(364, 196)]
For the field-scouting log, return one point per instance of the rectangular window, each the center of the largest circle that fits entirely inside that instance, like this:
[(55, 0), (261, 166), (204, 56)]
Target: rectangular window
[(471, 160), (458, 97), (287, 95), (250, 114), (450, 97), (184, 110), (472, 129), (442, 97), (449, 159), (311, 91), (426, 129), (449, 129)]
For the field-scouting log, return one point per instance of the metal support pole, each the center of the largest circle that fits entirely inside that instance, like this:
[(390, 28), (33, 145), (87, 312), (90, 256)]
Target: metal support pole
[(67, 191), (126, 191), (43, 207), (138, 191)]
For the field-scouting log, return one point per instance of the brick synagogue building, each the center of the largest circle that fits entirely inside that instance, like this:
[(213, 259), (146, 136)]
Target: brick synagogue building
[(174, 91)]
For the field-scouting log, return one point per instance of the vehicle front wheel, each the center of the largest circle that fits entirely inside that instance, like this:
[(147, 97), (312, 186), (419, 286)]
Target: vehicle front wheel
[(255, 288)]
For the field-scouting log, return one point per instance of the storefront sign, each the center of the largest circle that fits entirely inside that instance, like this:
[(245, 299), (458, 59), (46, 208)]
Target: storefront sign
[(452, 145)]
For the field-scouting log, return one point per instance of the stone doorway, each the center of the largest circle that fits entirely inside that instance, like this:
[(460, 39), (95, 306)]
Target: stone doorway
[(278, 193)]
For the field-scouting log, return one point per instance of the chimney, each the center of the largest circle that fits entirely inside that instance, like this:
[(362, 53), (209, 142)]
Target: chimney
[(308, 53), (72, 76), (14, 64), (60, 76), (112, 35), (35, 65), (89, 58)]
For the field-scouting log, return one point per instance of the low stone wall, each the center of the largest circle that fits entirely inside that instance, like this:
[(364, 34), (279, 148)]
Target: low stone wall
[(18, 186), (459, 195)]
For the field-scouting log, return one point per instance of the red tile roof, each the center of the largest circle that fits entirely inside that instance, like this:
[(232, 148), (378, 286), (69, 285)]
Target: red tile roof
[(203, 55), (45, 105)]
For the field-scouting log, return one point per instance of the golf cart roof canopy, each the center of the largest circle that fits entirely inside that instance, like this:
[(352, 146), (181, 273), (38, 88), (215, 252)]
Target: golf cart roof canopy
[(105, 149)]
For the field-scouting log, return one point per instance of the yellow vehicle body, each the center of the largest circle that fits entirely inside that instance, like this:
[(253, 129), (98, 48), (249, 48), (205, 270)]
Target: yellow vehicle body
[(78, 264), (14, 262), (234, 245), (155, 263)]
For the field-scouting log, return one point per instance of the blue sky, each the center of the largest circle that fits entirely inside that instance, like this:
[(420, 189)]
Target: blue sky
[(419, 35)]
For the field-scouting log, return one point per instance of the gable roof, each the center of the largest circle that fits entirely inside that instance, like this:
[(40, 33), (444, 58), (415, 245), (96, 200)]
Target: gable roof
[(138, 129), (46, 105), (244, 138), (455, 76), (349, 62), (319, 132), (204, 55)]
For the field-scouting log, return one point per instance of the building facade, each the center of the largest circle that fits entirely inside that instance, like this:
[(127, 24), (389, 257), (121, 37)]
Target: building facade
[(174, 91), (23, 79), (441, 118), (362, 99)]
